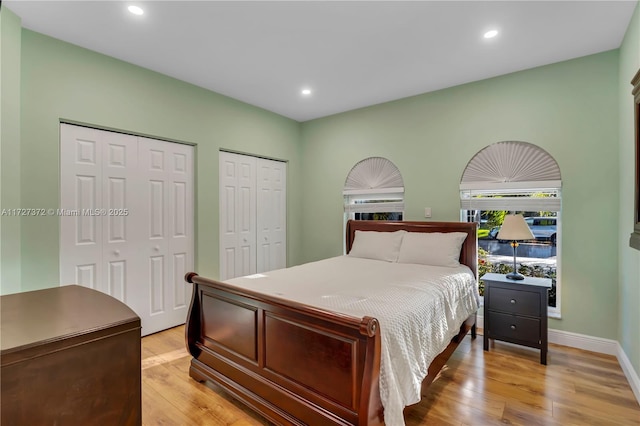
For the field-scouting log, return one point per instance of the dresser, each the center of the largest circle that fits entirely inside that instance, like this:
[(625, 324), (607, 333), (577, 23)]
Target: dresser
[(516, 311), (69, 356)]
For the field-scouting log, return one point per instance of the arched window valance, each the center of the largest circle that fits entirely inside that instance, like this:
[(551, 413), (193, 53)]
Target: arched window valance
[(511, 170), (373, 174), (374, 185), (511, 164)]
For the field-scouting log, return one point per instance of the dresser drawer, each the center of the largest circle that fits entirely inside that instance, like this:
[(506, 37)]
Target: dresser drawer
[(515, 301), (515, 328)]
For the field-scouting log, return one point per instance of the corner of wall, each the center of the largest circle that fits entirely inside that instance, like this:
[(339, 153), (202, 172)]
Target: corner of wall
[(629, 259), (10, 221)]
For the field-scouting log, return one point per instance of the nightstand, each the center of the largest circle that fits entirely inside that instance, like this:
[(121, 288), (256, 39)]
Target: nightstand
[(516, 311)]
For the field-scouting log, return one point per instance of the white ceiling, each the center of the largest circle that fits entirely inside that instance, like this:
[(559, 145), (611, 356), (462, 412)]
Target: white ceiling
[(351, 54)]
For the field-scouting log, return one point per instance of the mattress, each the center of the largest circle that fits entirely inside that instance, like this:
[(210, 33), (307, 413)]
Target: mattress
[(419, 309)]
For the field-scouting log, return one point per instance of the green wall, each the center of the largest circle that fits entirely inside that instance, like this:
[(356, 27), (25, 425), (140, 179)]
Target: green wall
[(629, 260), (570, 109), (578, 111), (10, 226), (61, 81)]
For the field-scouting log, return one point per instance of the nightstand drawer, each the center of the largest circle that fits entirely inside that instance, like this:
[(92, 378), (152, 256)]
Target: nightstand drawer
[(515, 301), (514, 328)]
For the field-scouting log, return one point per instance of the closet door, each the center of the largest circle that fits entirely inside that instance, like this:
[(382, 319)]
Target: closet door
[(237, 197), (130, 229), (97, 249), (272, 215), (253, 207), (167, 242)]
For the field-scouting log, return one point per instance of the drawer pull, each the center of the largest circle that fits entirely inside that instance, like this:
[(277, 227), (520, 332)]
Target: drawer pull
[(513, 301), (513, 326)]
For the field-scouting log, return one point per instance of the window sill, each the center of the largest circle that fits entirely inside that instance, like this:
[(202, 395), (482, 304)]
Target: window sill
[(554, 313)]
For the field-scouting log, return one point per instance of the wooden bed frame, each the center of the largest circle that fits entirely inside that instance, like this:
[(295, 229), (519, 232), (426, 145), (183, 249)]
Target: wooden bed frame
[(298, 364)]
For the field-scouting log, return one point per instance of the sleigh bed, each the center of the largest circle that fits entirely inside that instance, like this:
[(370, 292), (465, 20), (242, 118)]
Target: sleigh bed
[(297, 363)]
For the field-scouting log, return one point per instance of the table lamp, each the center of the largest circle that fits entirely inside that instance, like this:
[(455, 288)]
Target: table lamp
[(515, 229)]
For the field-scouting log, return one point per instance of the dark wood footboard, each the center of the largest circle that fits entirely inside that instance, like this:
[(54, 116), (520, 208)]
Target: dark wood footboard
[(292, 363), (297, 364)]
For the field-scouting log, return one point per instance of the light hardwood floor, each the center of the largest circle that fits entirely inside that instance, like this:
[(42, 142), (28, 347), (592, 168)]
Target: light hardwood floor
[(506, 385)]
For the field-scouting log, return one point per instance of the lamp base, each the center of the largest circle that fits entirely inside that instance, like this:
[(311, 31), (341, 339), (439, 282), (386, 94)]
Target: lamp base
[(515, 276)]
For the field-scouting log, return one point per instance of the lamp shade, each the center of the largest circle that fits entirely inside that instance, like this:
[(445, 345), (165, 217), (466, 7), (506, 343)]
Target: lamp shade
[(514, 228)]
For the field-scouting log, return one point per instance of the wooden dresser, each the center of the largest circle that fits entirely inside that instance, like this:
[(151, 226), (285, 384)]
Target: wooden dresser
[(70, 356)]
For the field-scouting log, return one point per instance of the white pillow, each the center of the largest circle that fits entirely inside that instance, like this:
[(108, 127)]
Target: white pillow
[(433, 248), (377, 245)]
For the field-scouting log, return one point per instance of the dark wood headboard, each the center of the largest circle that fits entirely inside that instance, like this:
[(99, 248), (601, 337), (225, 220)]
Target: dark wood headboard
[(468, 253)]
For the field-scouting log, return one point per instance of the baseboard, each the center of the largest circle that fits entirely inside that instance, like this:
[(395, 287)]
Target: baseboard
[(593, 344), (600, 345), (575, 340), (629, 372), (480, 320), (582, 341)]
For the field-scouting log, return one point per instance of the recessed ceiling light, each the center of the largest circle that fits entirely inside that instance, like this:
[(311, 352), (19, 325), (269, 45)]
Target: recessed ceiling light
[(306, 92), (491, 34), (135, 10)]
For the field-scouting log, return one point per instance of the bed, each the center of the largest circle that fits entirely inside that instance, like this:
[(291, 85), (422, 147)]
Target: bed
[(300, 363)]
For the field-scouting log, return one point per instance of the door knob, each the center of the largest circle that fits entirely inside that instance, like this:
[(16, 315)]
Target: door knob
[(156, 248), (116, 252)]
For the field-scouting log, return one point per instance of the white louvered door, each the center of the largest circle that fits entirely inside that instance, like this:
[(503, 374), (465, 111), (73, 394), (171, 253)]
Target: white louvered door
[(126, 220)]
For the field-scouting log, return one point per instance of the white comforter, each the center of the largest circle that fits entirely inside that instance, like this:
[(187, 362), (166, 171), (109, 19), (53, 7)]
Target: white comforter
[(420, 309)]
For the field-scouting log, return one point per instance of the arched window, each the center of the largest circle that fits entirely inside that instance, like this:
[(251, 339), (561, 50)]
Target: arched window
[(516, 177), (374, 190)]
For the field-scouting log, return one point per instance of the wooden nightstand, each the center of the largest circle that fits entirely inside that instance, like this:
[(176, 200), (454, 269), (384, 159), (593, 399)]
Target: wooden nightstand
[(516, 311)]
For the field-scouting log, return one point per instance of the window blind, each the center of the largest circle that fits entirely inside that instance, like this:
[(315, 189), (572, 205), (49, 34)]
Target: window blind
[(374, 185), (373, 173), (510, 162), (468, 201), (375, 207), (511, 175)]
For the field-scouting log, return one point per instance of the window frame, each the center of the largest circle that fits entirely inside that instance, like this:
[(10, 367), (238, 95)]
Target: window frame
[(386, 196), (466, 215), (373, 185), (510, 167)]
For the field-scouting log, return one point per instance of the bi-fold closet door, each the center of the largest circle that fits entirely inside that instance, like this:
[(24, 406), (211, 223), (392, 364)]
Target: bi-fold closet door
[(252, 215), (126, 220)]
